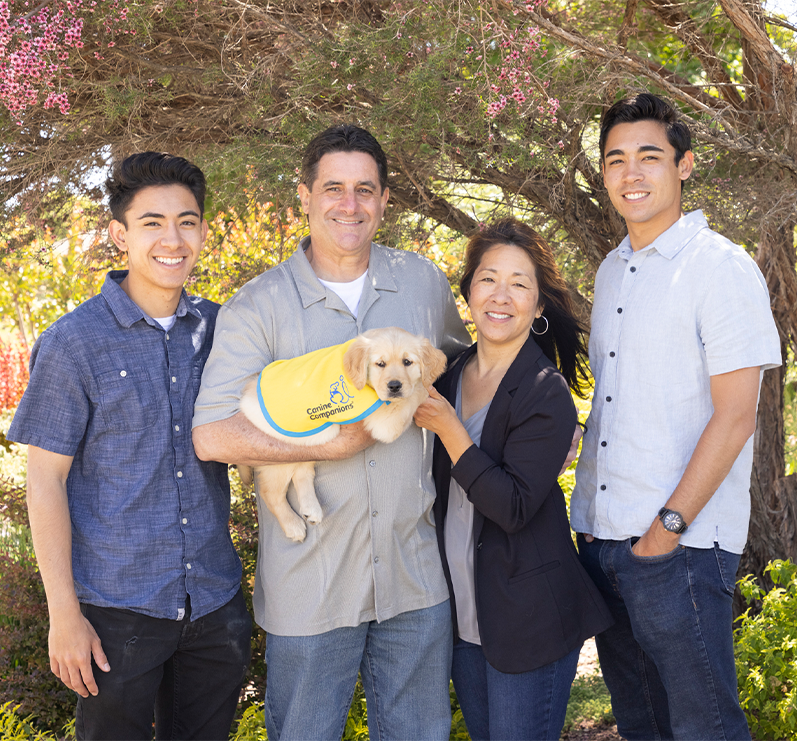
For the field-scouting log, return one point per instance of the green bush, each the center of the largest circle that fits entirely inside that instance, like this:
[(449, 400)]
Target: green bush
[(766, 654), (589, 700), (15, 728)]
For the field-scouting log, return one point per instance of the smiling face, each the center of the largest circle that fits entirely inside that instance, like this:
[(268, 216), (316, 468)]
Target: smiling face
[(163, 239), (642, 179), (344, 208), (504, 296)]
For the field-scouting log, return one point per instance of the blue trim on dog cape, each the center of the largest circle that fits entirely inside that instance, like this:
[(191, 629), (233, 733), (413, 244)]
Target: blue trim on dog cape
[(302, 396)]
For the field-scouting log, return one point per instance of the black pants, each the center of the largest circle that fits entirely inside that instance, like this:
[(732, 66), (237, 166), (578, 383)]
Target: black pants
[(189, 672)]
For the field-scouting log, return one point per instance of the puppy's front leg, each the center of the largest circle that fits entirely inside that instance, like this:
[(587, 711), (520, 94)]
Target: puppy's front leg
[(309, 508), (272, 483)]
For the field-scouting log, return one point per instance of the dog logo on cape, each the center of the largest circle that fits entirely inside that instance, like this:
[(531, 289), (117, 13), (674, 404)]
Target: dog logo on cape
[(338, 392)]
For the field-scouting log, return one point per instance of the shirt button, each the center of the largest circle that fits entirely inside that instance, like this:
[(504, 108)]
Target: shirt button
[(619, 311), (372, 463), (185, 520), (374, 513), (608, 398), (188, 566), (177, 427), (633, 270), (167, 336), (376, 559), (603, 487), (122, 373), (611, 354), (174, 379), (603, 443), (179, 474)]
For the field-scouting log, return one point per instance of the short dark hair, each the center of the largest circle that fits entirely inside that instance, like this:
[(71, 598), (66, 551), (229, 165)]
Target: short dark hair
[(648, 107), (342, 138), (145, 169), (563, 342)]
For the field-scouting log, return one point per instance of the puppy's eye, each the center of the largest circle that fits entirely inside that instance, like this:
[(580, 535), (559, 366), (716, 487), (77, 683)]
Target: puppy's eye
[(380, 363), (407, 361)]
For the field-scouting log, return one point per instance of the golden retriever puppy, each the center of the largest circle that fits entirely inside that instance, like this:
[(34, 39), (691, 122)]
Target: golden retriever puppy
[(396, 365)]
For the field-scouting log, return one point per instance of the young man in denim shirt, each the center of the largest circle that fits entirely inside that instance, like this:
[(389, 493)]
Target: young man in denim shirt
[(130, 528), (681, 332)]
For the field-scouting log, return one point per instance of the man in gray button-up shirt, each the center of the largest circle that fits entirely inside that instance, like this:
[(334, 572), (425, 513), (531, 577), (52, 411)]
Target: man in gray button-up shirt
[(681, 331), (365, 590)]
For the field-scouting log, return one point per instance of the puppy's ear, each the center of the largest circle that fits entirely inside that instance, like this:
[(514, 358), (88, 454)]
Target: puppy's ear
[(355, 362), (433, 361)]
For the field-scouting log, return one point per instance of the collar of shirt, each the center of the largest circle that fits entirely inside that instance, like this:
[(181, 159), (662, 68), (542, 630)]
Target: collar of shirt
[(380, 276), (669, 243), (126, 311)]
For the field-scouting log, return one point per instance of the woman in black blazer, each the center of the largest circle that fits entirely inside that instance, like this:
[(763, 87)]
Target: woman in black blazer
[(521, 603)]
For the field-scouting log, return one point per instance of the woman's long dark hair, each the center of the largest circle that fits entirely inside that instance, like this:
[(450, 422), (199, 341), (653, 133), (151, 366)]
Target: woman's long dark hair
[(563, 343)]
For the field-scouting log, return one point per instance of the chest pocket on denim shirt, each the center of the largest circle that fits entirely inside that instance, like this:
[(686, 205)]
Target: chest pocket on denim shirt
[(128, 399)]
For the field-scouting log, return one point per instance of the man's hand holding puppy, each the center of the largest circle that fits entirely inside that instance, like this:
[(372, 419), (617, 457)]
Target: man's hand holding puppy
[(237, 440)]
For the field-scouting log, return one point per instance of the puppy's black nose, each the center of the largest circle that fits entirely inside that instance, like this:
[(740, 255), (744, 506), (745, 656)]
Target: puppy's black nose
[(394, 386)]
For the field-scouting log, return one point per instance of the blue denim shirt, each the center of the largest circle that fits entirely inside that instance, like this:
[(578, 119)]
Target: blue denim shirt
[(111, 388)]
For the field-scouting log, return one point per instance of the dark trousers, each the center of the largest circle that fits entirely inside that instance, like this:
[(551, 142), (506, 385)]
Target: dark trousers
[(190, 673)]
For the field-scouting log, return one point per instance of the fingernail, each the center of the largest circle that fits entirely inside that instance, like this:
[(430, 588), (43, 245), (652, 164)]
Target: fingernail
[(106, 667)]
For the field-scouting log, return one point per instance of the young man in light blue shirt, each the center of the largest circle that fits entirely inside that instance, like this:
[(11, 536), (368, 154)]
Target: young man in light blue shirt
[(681, 332)]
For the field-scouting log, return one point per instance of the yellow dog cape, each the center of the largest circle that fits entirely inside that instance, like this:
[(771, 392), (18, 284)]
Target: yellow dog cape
[(307, 394)]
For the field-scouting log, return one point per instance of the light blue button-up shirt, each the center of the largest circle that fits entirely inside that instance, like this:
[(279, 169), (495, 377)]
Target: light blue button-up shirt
[(689, 306)]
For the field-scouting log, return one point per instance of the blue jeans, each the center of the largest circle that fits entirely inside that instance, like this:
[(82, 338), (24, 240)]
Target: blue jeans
[(188, 673), (506, 707), (668, 659), (404, 663)]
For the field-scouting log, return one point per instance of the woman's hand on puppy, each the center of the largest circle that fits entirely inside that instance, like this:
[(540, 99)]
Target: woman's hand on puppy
[(438, 416), (435, 413)]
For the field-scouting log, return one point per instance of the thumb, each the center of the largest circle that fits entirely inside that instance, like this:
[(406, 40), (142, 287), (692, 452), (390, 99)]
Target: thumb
[(100, 659), (433, 393)]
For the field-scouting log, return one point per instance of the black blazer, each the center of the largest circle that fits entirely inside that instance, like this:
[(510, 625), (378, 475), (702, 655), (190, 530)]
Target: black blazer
[(534, 601)]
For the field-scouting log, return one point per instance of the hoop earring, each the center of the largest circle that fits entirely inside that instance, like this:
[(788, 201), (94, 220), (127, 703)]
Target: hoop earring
[(542, 316)]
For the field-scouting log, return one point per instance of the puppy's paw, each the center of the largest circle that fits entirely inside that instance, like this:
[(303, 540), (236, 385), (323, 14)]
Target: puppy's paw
[(295, 529), (313, 513)]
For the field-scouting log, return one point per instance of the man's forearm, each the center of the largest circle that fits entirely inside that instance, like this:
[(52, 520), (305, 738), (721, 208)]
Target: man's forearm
[(51, 529), (730, 427), (237, 440), (734, 396)]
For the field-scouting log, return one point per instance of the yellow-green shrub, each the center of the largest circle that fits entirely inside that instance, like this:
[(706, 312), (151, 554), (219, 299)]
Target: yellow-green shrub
[(766, 654)]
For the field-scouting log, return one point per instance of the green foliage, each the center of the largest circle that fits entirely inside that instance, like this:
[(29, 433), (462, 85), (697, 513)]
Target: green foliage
[(766, 654), (589, 700), (251, 726), (15, 728)]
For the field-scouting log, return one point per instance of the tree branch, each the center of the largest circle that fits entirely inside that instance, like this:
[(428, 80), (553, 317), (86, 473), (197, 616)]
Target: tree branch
[(673, 16), (753, 33), (628, 24)]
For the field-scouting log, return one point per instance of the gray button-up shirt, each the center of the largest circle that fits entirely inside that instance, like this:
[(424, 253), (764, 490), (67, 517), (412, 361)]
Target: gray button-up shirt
[(374, 555), (689, 306)]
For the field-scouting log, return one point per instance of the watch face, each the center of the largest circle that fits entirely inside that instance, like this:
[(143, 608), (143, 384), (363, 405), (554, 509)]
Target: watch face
[(672, 521)]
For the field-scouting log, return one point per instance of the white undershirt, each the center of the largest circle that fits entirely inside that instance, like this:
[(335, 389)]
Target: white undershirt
[(167, 322), (349, 292)]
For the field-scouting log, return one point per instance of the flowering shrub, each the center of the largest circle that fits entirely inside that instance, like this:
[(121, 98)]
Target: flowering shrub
[(13, 374), (35, 46)]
